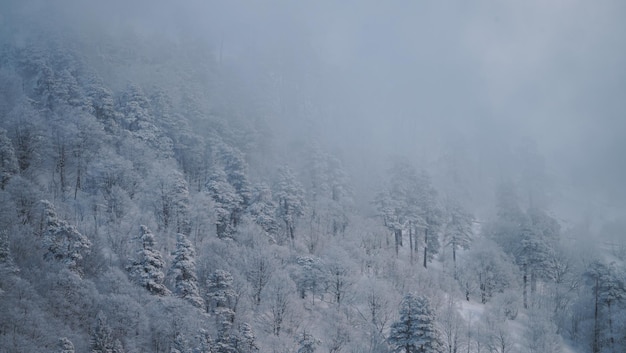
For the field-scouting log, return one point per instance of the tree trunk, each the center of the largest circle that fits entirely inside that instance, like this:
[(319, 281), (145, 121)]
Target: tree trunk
[(596, 329), (454, 259), (426, 248), (525, 285), (611, 338), (411, 243), (398, 239)]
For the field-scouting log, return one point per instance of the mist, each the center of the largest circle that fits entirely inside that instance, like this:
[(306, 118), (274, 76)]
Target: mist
[(411, 79), (510, 113)]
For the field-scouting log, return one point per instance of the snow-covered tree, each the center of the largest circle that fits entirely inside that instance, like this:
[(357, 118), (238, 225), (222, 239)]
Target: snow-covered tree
[(65, 345), (307, 343), (8, 159), (246, 339), (102, 103), (139, 120), (172, 204), (62, 241), (220, 292), (184, 271), (7, 265), (236, 169), (102, 340), (258, 274), (540, 334), (147, 268), (226, 203), (457, 229), (309, 275), (263, 210), (427, 214), (416, 330), (180, 344), (609, 289), (277, 301), (487, 269), (290, 195)]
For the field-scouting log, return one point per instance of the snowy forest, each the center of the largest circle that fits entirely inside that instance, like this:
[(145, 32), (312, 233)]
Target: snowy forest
[(298, 177)]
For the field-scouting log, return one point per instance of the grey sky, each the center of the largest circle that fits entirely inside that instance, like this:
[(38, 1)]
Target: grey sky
[(400, 77)]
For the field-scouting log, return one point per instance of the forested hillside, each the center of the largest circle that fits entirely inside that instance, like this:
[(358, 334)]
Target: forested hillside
[(159, 195)]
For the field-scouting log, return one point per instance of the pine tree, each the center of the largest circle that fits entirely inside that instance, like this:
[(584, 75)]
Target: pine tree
[(416, 331), (65, 345), (246, 339), (220, 292), (8, 159), (458, 229), (138, 119), (184, 270), (102, 340), (180, 344), (430, 216), (7, 265), (307, 342), (263, 210), (609, 289), (63, 242), (147, 269), (102, 104), (291, 203), (226, 202)]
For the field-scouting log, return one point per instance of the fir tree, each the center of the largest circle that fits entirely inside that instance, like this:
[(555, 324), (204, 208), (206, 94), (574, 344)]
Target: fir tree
[(291, 203), (180, 344), (147, 269), (102, 340), (416, 331), (263, 210), (246, 340), (63, 242), (458, 230), (8, 159), (226, 202), (65, 345), (184, 270), (307, 343), (7, 265)]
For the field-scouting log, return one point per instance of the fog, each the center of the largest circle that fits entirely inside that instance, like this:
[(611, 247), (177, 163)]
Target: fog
[(300, 176), (374, 80)]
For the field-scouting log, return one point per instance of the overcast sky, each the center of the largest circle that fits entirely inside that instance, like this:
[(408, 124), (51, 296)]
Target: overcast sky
[(399, 77)]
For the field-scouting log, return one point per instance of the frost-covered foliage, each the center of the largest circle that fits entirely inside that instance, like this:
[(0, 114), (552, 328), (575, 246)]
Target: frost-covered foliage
[(62, 241), (147, 268), (290, 195), (416, 330), (184, 272), (238, 253), (8, 160)]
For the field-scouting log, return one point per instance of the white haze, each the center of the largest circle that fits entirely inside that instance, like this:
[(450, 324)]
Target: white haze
[(415, 78)]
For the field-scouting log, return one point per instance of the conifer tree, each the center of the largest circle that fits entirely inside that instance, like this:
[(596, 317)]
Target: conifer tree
[(147, 269), (416, 331), (263, 210), (8, 160), (65, 345), (291, 203), (246, 340), (226, 202), (7, 265), (63, 242), (184, 270), (458, 229), (102, 340), (180, 344)]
